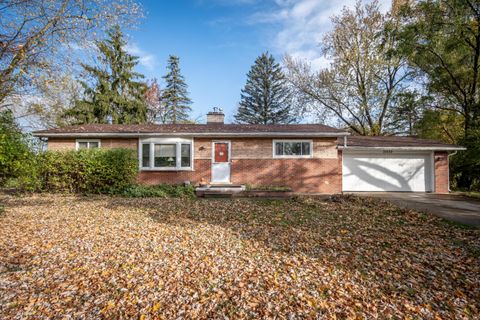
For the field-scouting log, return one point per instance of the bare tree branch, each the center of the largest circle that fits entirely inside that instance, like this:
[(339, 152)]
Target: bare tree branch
[(361, 82), (35, 36)]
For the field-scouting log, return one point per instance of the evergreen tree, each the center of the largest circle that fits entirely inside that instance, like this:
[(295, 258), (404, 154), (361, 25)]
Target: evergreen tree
[(175, 95), (266, 98), (112, 90)]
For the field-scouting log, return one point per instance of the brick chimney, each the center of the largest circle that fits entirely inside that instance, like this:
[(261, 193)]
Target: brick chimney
[(216, 116)]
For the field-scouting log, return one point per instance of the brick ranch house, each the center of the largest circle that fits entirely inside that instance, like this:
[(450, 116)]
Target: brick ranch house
[(309, 158)]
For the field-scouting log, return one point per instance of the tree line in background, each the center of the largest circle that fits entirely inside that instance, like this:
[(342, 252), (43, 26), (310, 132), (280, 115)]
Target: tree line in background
[(114, 93), (43, 79), (411, 71), (414, 70)]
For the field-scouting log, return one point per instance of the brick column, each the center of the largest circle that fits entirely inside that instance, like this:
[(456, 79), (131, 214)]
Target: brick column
[(441, 172)]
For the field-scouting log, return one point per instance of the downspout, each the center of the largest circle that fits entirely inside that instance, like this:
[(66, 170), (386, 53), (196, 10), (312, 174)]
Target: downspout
[(44, 145), (341, 165), (448, 158)]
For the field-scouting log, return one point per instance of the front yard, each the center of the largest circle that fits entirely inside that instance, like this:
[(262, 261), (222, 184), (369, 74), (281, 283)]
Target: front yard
[(180, 258)]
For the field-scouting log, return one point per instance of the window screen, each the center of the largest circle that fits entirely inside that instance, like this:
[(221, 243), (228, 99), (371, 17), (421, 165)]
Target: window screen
[(185, 155), (83, 145), (146, 155), (165, 155), (292, 148)]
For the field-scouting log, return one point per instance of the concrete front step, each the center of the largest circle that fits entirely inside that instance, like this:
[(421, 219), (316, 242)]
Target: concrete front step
[(219, 190)]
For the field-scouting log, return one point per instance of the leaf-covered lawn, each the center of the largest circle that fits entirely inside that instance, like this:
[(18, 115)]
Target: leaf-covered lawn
[(180, 258)]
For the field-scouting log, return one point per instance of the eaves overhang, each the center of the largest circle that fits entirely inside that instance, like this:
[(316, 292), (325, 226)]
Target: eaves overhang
[(187, 134), (422, 148)]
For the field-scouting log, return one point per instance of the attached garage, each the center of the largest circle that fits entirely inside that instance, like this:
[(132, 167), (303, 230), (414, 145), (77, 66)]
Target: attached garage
[(388, 171), (394, 164)]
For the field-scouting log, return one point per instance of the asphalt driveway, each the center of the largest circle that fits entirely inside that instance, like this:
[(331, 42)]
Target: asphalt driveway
[(448, 206)]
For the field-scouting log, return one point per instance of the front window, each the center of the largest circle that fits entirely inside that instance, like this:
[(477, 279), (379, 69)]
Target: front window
[(186, 155), (292, 149), (146, 155), (166, 154), (87, 144)]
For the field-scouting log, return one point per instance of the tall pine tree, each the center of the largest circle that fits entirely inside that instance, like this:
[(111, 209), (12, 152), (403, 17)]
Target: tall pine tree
[(266, 98), (112, 90), (175, 95)]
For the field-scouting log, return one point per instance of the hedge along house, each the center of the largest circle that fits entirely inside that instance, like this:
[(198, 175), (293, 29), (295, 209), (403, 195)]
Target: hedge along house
[(309, 158)]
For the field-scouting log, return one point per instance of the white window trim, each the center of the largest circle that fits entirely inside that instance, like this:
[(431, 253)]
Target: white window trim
[(292, 156), (177, 141), (87, 141)]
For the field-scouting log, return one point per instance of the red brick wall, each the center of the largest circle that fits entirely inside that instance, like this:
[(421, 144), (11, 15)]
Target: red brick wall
[(202, 170), (321, 174), (313, 175), (119, 143), (302, 175), (441, 172), (63, 144), (60, 144)]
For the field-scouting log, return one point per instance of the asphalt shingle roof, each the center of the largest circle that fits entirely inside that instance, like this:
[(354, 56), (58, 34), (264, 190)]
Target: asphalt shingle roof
[(239, 129), (192, 128), (393, 142)]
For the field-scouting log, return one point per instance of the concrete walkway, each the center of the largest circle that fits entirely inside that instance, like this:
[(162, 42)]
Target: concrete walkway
[(451, 207)]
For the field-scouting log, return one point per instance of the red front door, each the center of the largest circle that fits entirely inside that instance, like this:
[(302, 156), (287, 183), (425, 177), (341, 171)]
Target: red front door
[(221, 152)]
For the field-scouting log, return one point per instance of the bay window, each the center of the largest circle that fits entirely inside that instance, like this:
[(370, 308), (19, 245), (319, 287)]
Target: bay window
[(172, 154), (292, 148)]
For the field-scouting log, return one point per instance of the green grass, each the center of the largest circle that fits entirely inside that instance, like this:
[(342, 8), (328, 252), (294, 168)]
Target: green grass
[(252, 187), (470, 194), (456, 224), (159, 191), (470, 247)]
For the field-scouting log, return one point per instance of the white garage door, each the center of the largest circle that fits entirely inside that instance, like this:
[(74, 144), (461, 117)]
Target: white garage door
[(387, 172)]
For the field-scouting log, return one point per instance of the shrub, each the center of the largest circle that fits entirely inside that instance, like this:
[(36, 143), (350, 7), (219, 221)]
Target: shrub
[(87, 171), (163, 191), (15, 155), (253, 187), (101, 171), (465, 165)]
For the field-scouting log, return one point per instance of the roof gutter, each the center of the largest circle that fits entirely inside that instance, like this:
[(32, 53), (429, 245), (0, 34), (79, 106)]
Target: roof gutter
[(190, 134), (403, 148)]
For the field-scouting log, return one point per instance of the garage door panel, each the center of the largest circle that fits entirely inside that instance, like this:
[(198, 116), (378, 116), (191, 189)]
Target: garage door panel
[(368, 175), (386, 172)]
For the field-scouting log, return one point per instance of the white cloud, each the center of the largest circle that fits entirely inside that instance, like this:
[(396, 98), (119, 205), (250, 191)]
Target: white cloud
[(226, 2), (145, 59), (302, 25)]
